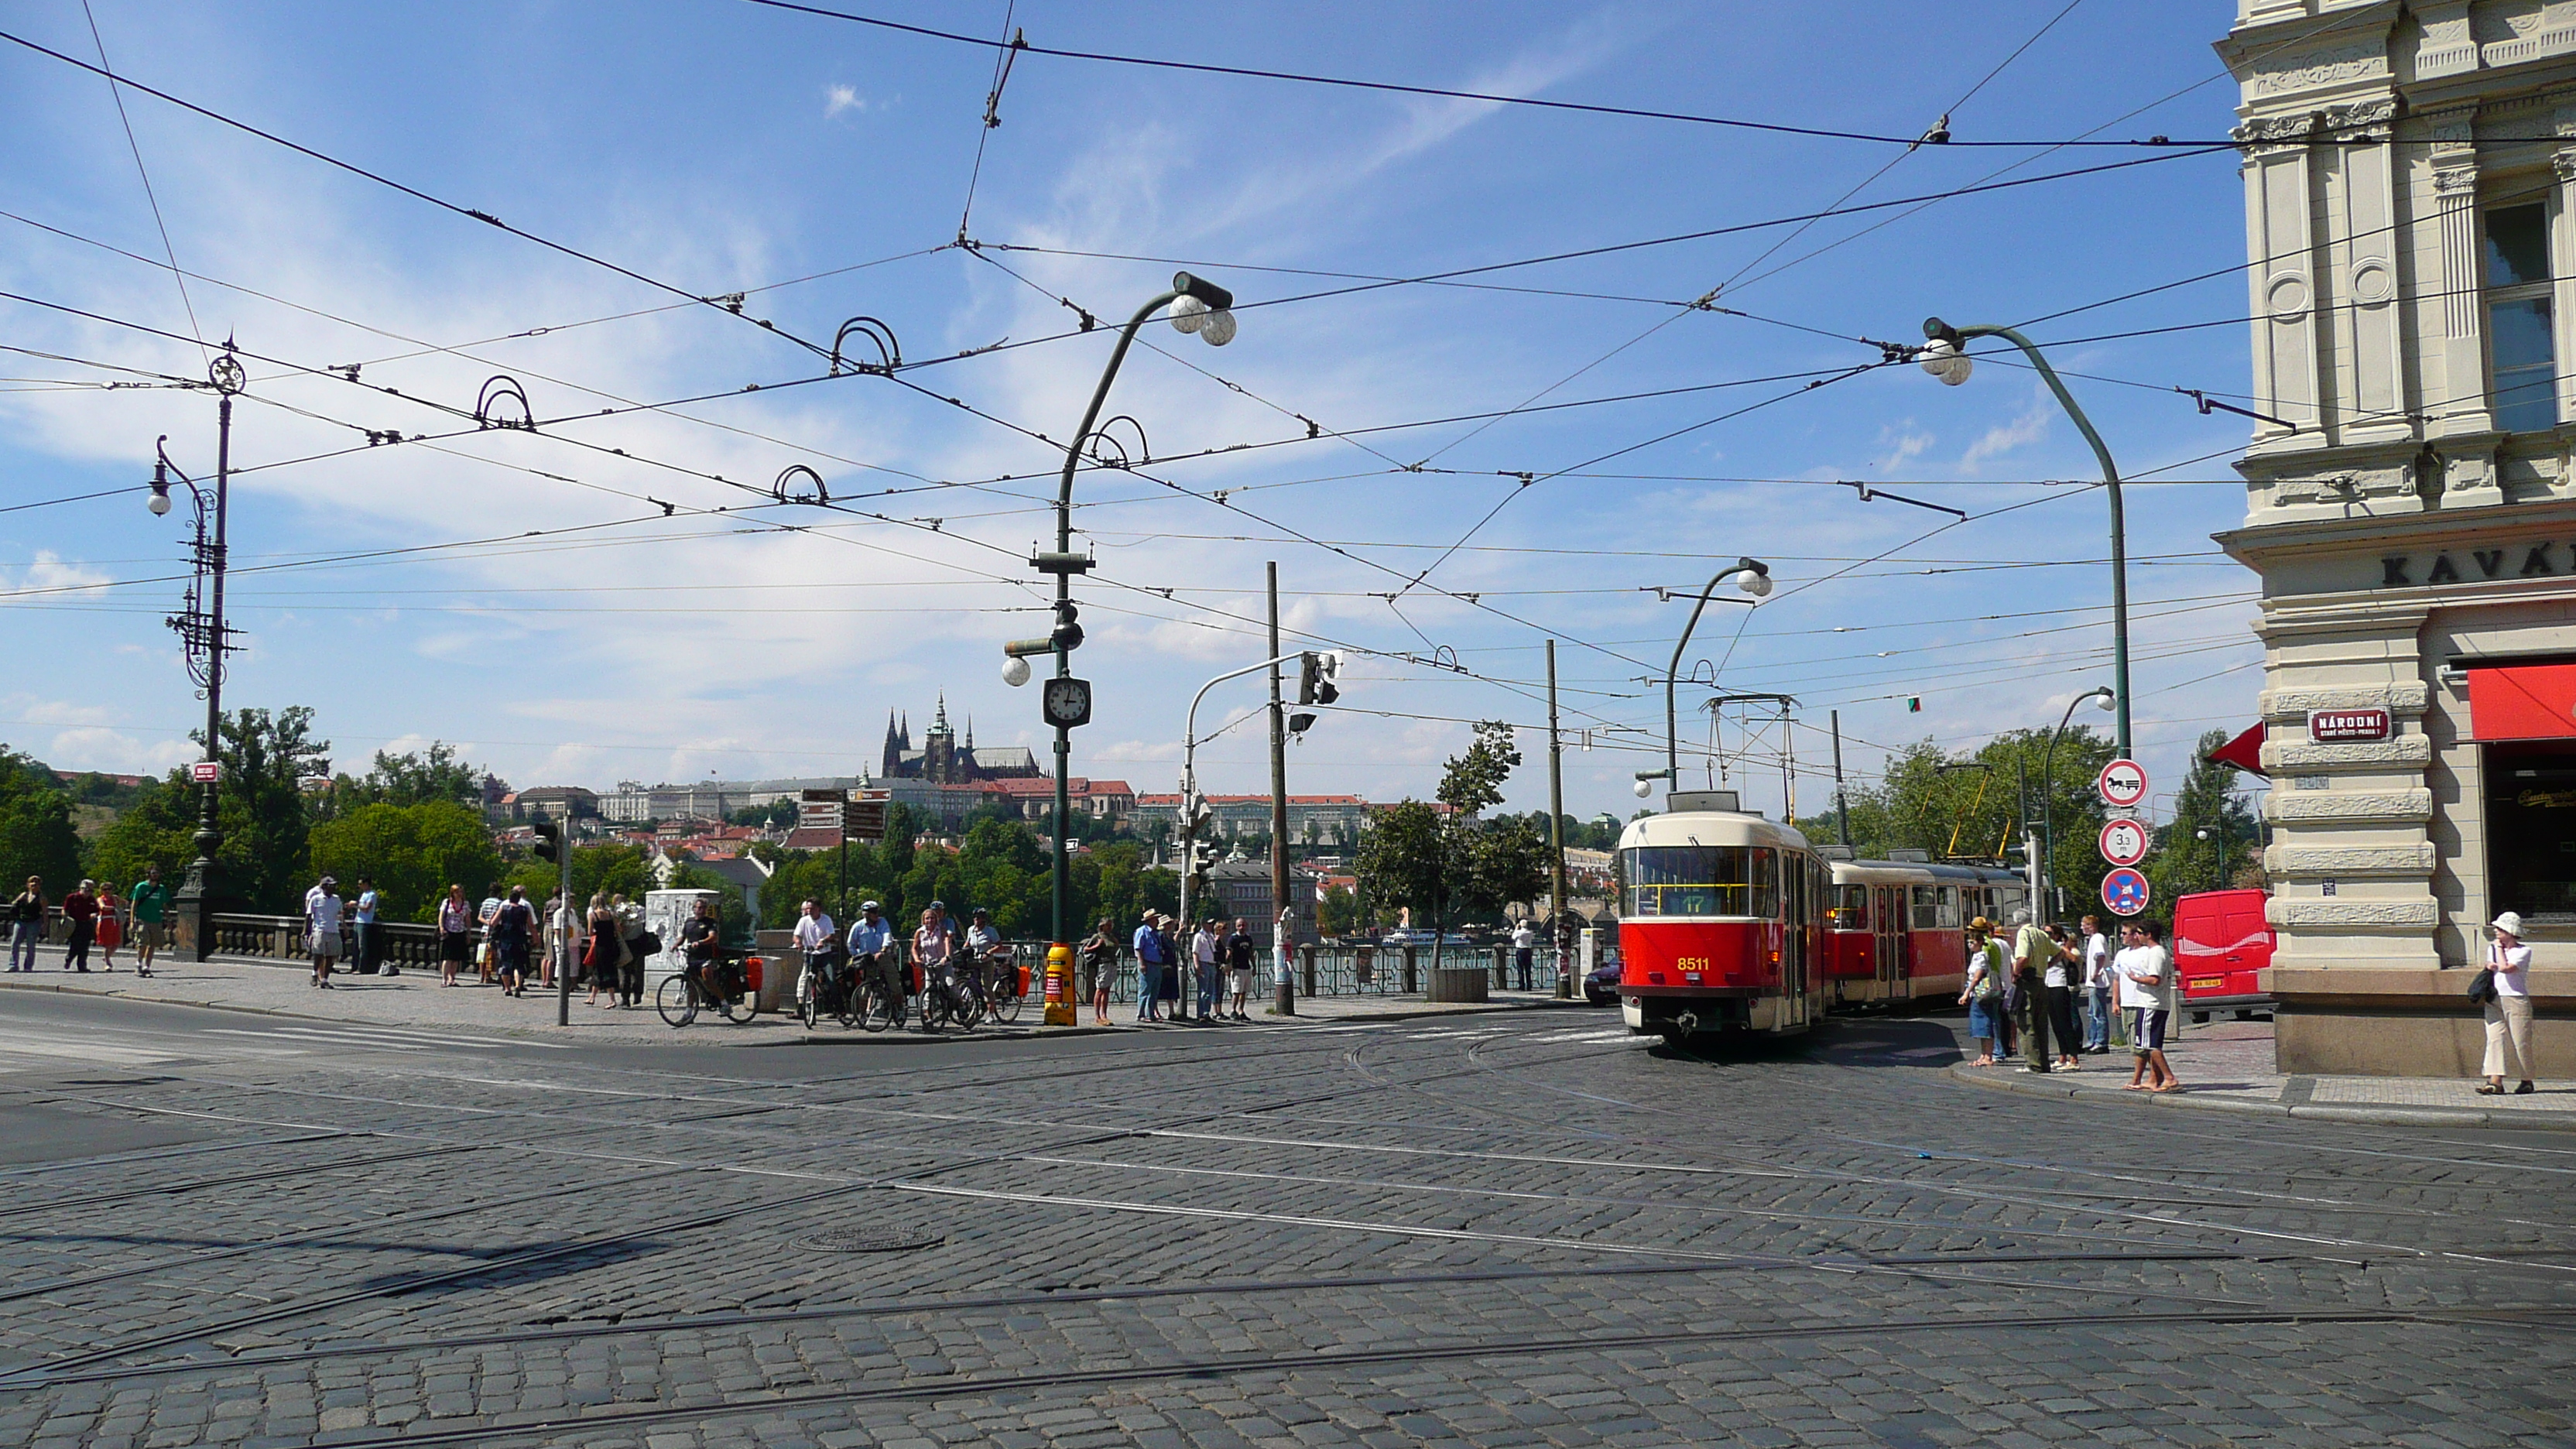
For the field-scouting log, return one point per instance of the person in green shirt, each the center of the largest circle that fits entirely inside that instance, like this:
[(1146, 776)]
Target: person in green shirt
[(147, 906)]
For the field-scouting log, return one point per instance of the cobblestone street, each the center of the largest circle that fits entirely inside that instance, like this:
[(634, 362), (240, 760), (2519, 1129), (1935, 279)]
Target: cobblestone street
[(1493, 1231)]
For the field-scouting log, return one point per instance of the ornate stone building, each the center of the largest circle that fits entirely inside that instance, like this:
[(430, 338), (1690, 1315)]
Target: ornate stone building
[(2412, 510), (944, 760)]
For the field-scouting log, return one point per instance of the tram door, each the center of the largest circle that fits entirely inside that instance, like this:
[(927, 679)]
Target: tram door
[(1887, 922), (1798, 916)]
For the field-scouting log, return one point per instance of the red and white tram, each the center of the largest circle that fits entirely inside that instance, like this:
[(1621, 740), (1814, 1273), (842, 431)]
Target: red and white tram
[(1719, 913), (1896, 930)]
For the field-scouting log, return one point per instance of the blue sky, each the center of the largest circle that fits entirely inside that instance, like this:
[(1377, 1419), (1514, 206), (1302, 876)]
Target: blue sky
[(723, 147)]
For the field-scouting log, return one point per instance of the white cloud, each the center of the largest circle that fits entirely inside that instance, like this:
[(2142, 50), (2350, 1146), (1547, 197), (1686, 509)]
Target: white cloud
[(49, 577), (837, 99), (2021, 432), (1903, 445)]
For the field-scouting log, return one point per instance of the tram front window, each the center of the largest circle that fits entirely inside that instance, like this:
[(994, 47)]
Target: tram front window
[(1700, 880)]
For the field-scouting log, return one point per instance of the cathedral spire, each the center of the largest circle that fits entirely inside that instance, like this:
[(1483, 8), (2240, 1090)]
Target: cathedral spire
[(940, 726)]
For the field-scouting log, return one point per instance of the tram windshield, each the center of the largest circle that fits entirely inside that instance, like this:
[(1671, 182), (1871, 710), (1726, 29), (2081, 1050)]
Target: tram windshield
[(1851, 908), (1701, 880)]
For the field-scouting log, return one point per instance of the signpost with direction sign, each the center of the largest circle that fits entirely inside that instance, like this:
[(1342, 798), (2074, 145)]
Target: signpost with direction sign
[(2124, 842), (2123, 784)]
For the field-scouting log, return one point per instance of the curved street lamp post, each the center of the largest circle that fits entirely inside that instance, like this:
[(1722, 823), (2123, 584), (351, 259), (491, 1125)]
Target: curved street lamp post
[(2105, 696), (1197, 306), (1756, 582), (1945, 357)]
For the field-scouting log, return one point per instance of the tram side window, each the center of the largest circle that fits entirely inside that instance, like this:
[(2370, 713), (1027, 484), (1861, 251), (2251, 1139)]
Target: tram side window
[(1851, 908), (1766, 884), (1927, 908), (1698, 880), (1950, 918)]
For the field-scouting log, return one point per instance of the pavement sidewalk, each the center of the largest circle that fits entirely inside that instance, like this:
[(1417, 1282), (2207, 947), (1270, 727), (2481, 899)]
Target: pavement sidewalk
[(415, 1000), (2229, 1067)]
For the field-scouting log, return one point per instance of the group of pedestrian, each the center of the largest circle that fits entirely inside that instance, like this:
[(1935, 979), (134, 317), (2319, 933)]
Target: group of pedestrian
[(1219, 959), (98, 918), (2026, 989)]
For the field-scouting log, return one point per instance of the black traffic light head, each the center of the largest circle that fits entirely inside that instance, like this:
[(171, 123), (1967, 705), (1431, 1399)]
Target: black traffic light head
[(549, 840), (1298, 724), (1315, 674), (1067, 633)]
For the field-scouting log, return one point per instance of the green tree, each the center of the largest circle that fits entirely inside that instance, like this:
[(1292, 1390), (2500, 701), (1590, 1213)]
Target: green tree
[(616, 868), (2183, 862), (413, 779), (776, 815), (36, 835), (1338, 913), (1472, 781), (412, 853), (1401, 858), (260, 808)]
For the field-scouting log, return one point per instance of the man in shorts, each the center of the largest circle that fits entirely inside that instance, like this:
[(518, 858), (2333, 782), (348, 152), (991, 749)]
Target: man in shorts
[(322, 911), (148, 906), (2146, 985), (1239, 951)]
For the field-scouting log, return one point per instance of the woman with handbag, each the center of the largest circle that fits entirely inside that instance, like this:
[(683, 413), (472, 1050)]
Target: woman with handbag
[(455, 934), (2508, 1010), (1984, 993)]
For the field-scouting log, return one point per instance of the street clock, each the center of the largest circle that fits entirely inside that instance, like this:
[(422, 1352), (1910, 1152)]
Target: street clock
[(1068, 703)]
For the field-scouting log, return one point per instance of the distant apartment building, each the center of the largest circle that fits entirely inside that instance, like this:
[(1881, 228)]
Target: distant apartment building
[(1317, 820)]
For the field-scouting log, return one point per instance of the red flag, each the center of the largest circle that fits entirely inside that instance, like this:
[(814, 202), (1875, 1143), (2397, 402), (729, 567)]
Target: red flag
[(2245, 752)]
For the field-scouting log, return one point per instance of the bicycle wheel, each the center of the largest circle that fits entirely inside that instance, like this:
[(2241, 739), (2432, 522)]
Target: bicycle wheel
[(738, 1008), (676, 1001), (849, 1005), (1007, 997), (876, 1007), (934, 1007), (808, 1003)]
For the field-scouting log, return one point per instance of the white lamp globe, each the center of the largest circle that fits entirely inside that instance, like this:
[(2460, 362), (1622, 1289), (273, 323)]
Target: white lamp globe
[(1220, 327), (1188, 313), (2106, 701), (1943, 359), (1015, 672), (159, 503), (1758, 585), (1645, 788)]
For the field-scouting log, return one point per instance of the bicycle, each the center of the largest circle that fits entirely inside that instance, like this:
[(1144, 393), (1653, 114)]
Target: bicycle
[(947, 996), (880, 996), (998, 984), (826, 990), (716, 983)]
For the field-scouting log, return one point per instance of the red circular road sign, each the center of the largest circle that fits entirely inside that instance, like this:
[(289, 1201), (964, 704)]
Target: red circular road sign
[(2124, 842), (2125, 892), (2123, 783)]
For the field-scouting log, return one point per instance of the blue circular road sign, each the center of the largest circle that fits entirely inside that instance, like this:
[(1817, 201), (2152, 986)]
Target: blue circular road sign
[(2125, 892)]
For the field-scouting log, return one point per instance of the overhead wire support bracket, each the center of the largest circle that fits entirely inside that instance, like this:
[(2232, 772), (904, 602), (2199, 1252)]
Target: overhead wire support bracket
[(2208, 405), (1870, 491)]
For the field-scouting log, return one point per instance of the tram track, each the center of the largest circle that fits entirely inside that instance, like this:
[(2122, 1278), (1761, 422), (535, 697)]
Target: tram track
[(1087, 1378)]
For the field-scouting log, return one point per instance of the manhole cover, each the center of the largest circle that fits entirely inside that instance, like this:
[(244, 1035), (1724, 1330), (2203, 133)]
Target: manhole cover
[(871, 1240)]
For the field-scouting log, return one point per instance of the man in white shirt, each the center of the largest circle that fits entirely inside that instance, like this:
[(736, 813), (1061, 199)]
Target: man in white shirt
[(815, 936), (2145, 971), (322, 911), (1203, 951), (1524, 942), (2097, 987)]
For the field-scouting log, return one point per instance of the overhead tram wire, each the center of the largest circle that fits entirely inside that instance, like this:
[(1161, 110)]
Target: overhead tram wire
[(1708, 299), (1489, 97), (414, 192), (205, 354)]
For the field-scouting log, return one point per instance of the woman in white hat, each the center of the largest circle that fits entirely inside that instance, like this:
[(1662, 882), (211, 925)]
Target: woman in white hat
[(2508, 1011)]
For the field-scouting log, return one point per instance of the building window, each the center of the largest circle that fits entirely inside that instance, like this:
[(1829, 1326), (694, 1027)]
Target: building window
[(2520, 338)]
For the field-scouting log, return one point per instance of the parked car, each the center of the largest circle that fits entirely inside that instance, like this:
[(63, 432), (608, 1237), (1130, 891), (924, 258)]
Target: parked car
[(2220, 940), (1601, 988)]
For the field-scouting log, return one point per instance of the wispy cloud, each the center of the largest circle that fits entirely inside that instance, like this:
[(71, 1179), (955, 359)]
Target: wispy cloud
[(837, 99), (2021, 432), (1903, 445)]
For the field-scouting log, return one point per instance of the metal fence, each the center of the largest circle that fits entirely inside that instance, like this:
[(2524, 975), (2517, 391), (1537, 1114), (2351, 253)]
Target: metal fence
[(1358, 970)]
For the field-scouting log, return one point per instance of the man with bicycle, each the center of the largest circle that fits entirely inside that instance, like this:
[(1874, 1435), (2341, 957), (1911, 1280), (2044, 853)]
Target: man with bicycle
[(870, 934), (816, 940)]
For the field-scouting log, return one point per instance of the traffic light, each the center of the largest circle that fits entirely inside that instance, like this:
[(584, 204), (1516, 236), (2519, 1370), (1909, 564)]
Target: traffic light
[(1067, 633), (1298, 724), (1316, 672), (1195, 814), (1202, 857), (549, 840)]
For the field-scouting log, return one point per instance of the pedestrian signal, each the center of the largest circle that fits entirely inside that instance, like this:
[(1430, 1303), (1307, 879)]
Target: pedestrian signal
[(549, 840)]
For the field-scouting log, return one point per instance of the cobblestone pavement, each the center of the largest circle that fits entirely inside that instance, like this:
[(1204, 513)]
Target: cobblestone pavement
[(1524, 1229)]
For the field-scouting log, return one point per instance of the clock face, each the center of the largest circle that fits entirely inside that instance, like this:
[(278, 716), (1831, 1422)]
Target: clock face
[(1068, 702)]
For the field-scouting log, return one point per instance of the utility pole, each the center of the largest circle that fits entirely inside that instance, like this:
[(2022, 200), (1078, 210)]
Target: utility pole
[(1556, 835), (205, 640), (1281, 945), (1842, 810)]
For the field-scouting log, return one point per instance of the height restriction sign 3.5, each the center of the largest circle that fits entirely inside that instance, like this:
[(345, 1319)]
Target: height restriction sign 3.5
[(2124, 842), (2123, 784)]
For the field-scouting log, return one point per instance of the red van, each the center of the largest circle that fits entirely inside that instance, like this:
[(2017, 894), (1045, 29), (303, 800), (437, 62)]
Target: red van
[(2220, 940)]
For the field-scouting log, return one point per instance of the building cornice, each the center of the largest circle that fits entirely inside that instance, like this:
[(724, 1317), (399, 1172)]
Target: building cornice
[(2265, 542)]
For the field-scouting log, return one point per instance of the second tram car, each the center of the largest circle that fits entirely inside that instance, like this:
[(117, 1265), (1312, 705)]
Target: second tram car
[(1719, 921), (1895, 930)]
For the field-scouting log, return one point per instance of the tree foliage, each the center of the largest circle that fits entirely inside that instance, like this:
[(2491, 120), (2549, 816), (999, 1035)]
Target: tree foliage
[(412, 853), (413, 779), (36, 835), (2183, 862), (1452, 866)]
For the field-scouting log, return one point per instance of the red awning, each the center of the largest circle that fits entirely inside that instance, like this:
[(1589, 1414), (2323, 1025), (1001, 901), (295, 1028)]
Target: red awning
[(2523, 702), (2245, 751)]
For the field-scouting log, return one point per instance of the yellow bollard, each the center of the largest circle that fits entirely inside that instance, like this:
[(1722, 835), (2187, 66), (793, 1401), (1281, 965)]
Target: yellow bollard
[(1061, 1009)]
